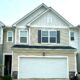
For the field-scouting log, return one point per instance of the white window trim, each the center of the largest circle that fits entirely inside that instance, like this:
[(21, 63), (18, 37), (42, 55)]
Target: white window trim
[(12, 36), (27, 36), (70, 36), (48, 37)]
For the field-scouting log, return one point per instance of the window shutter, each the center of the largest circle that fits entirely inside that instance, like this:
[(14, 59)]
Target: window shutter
[(39, 36), (58, 36)]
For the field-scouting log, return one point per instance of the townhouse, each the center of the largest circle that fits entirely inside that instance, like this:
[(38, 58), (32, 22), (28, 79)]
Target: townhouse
[(42, 44)]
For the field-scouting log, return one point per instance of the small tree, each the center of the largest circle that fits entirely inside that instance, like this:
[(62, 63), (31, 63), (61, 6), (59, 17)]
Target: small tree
[(1, 68)]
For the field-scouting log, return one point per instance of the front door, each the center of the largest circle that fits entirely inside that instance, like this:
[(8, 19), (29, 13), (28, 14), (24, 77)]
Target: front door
[(7, 64)]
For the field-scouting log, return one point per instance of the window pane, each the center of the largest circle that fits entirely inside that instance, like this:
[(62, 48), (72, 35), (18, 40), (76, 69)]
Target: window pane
[(45, 39), (44, 33), (9, 38), (52, 40), (23, 39), (23, 33), (72, 36), (53, 34), (9, 34)]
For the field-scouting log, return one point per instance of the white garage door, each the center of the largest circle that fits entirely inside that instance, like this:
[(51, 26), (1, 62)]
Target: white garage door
[(42, 67)]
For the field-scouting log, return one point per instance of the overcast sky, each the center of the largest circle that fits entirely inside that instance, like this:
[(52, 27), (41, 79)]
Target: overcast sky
[(12, 10)]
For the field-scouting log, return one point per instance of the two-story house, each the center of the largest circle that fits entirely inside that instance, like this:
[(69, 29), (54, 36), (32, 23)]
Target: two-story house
[(42, 44)]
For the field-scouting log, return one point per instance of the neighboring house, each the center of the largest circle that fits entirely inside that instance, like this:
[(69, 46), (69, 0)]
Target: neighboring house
[(42, 44), (78, 49), (1, 41)]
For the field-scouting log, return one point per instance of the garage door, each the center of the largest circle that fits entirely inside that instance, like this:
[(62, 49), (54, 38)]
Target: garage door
[(43, 67)]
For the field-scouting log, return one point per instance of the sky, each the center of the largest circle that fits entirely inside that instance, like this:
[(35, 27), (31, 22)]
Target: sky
[(13, 10)]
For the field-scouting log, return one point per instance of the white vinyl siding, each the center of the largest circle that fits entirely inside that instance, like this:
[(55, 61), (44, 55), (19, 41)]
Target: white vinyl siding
[(49, 19), (9, 36), (23, 36), (73, 38)]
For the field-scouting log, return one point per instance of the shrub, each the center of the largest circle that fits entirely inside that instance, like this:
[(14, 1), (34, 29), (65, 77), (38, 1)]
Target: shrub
[(7, 77)]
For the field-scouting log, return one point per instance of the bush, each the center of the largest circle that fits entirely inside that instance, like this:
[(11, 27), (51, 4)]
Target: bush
[(1, 69), (7, 77)]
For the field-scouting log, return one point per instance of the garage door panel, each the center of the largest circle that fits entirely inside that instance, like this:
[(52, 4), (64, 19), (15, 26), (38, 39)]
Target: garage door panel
[(43, 68)]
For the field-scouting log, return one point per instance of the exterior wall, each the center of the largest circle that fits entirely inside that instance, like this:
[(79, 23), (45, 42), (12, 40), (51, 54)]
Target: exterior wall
[(7, 45), (78, 39), (78, 63), (78, 50), (49, 19), (64, 36), (39, 52), (33, 35), (75, 42)]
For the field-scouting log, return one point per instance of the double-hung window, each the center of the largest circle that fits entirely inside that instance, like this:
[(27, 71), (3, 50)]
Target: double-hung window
[(45, 36), (53, 36), (49, 36), (72, 36), (9, 36), (23, 36)]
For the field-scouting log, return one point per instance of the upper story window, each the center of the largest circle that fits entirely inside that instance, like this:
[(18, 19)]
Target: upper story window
[(53, 36), (46, 36), (23, 36), (10, 36), (72, 36)]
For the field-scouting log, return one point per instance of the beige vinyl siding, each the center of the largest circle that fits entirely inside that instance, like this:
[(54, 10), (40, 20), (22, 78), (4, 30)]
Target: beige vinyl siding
[(64, 36), (7, 45), (39, 52)]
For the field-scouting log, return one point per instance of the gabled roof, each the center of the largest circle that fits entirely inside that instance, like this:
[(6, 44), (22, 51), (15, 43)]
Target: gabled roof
[(47, 9), (56, 13), (30, 13)]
